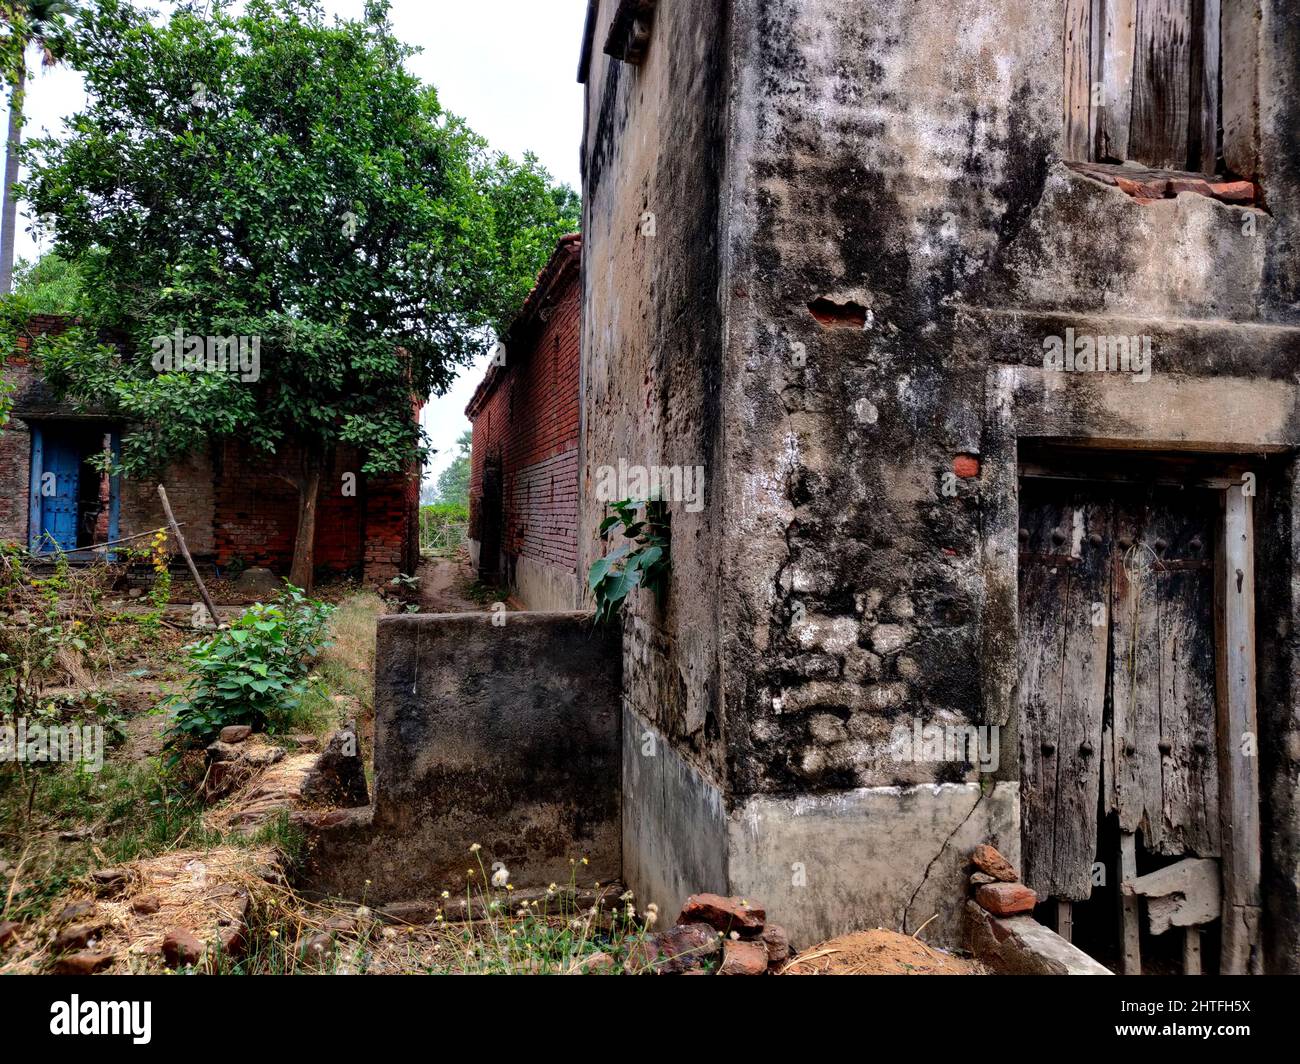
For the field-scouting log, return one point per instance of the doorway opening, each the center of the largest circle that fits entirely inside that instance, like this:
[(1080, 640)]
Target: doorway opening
[(491, 521), (1136, 636), (72, 504)]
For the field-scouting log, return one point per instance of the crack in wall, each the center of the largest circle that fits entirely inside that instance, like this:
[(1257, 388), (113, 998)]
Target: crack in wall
[(925, 876)]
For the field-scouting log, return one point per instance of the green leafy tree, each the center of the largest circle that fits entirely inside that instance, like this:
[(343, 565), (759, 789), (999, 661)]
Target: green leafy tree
[(50, 285), (39, 23), (269, 175), (524, 192), (453, 482)]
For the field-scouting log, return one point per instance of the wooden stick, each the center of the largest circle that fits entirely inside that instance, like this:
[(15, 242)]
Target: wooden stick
[(1192, 951), (1129, 907), (125, 539), (194, 572), (1065, 919), (92, 547)]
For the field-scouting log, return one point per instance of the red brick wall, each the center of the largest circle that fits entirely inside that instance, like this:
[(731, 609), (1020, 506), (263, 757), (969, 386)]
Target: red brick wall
[(256, 514), (39, 325), (526, 417), (191, 492), (15, 467)]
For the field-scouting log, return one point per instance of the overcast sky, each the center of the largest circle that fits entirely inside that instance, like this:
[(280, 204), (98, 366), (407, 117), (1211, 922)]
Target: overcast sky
[(509, 67)]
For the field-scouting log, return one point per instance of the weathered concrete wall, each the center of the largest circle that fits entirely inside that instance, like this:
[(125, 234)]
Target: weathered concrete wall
[(506, 735), (826, 863), (908, 163), (545, 587), (674, 822), (899, 166), (872, 857), (651, 343)]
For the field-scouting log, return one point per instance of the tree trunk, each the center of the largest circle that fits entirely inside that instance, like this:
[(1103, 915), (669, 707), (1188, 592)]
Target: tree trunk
[(9, 217), (304, 544)]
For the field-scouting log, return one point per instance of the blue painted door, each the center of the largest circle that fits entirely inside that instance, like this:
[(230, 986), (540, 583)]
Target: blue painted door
[(62, 466)]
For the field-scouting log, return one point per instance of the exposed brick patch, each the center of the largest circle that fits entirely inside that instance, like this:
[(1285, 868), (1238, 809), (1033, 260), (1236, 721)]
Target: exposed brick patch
[(848, 315), (1147, 186), (1006, 899)]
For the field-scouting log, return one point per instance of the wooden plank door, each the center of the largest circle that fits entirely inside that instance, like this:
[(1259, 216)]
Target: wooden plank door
[(1162, 84), (62, 459), (1117, 675), (1064, 606), (1141, 82), (1163, 674)]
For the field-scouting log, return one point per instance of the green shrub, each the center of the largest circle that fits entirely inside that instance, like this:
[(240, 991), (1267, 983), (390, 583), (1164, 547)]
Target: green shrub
[(443, 527), (255, 672), (445, 511)]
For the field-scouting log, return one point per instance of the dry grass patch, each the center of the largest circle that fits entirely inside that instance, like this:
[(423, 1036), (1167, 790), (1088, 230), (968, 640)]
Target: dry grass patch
[(210, 893)]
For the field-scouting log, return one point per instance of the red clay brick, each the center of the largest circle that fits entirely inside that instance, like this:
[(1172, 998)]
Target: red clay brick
[(1006, 899)]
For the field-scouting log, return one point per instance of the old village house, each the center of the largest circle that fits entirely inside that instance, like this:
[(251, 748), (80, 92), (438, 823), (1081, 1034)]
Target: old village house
[(235, 505)]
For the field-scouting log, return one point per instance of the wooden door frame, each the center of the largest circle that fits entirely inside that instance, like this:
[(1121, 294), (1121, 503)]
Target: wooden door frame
[(1237, 729), (37, 429), (1222, 417), (1236, 724), (492, 519)]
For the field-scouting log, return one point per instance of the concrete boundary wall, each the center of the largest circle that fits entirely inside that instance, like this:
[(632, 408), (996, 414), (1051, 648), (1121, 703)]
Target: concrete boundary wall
[(501, 730)]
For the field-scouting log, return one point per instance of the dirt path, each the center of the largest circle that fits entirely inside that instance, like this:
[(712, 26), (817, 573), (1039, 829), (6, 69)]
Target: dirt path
[(442, 581)]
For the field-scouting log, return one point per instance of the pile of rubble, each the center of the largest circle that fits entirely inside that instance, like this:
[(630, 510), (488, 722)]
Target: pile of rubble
[(186, 907), (191, 908), (996, 885), (1001, 932), (260, 781), (714, 935)]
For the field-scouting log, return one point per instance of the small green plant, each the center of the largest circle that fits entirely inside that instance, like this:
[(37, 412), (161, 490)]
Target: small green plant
[(405, 582), (640, 561), (255, 672), (405, 590), (160, 594), (484, 594)]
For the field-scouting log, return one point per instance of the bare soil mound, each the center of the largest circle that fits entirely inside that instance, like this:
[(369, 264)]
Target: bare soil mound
[(878, 952)]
